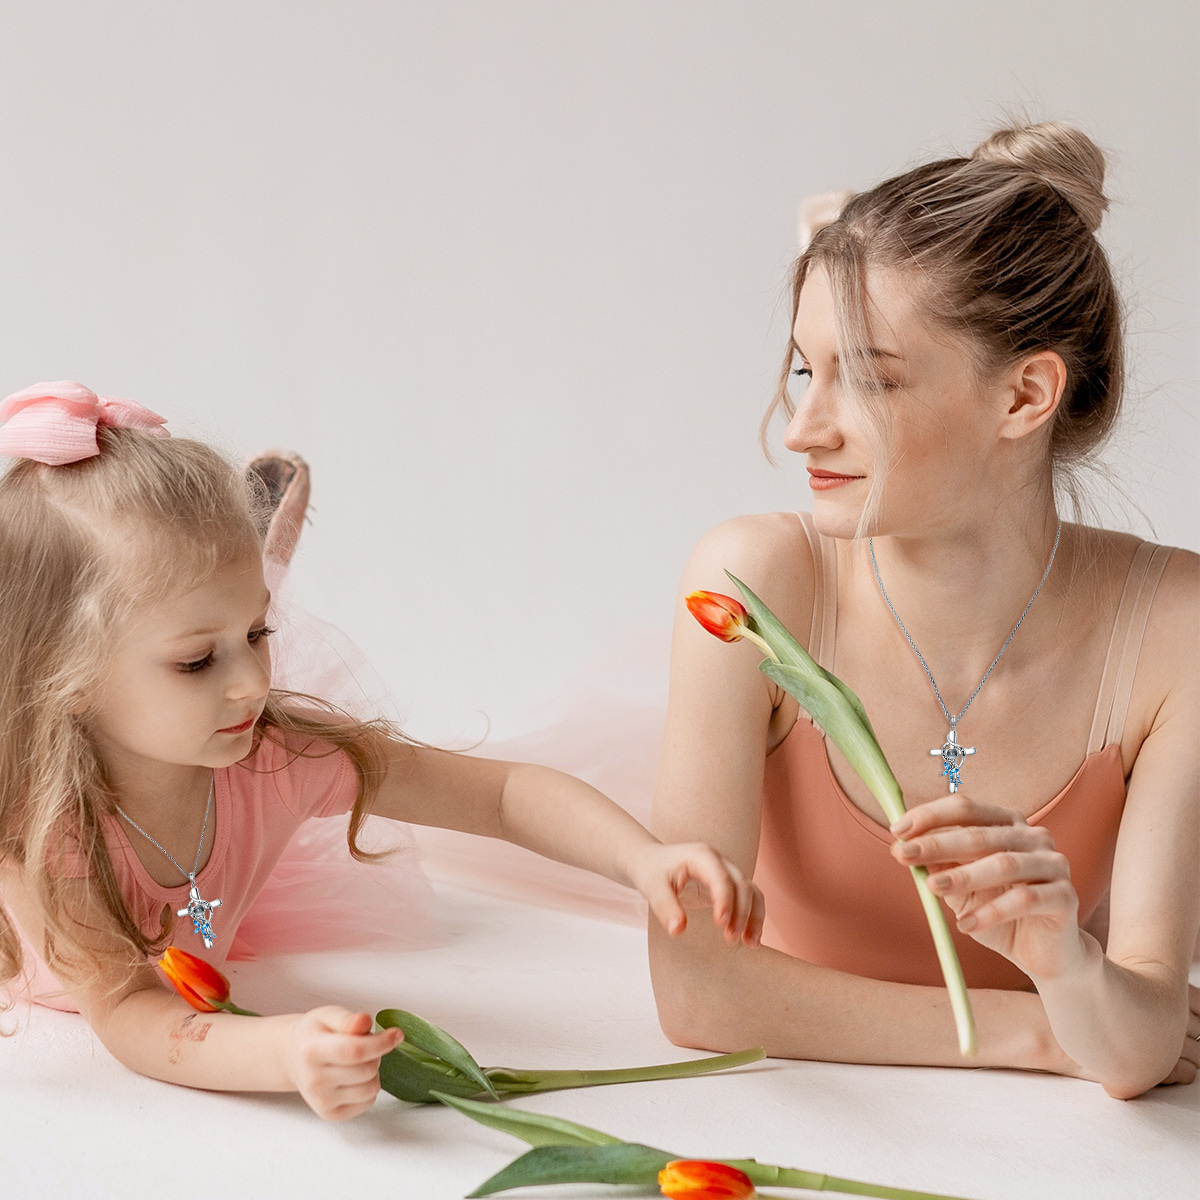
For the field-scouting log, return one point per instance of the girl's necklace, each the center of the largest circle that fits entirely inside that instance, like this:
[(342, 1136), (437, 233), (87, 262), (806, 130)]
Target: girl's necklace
[(951, 753), (199, 910)]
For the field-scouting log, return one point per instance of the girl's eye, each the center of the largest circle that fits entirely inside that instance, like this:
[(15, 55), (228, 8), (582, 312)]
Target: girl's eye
[(195, 665), (257, 635)]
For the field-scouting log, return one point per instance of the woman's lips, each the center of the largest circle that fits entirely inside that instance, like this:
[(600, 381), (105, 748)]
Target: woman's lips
[(239, 728), (821, 481)]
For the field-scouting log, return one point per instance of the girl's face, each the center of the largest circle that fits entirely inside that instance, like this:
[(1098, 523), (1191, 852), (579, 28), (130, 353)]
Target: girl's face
[(189, 676), (942, 428)]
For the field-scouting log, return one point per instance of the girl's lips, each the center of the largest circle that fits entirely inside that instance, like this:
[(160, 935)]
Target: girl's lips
[(239, 728), (821, 481)]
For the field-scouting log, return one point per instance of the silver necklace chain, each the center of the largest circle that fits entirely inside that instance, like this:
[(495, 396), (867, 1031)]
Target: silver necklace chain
[(199, 910), (952, 753)]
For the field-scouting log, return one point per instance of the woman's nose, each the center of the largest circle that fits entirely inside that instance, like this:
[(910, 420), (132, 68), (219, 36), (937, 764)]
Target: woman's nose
[(814, 424)]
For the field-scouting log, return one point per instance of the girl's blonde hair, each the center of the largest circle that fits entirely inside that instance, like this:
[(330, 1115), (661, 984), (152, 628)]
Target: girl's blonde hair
[(1002, 248), (83, 546)]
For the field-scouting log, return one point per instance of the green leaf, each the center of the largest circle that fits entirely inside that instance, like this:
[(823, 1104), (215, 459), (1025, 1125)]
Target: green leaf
[(408, 1078), (438, 1043), (534, 1128), (826, 703), (624, 1162)]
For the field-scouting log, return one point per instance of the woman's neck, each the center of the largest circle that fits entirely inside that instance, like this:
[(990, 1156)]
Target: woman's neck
[(960, 590)]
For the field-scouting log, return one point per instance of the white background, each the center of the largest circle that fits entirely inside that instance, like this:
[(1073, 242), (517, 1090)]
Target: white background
[(511, 275)]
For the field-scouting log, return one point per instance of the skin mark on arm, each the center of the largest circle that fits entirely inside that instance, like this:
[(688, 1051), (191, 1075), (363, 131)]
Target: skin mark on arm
[(186, 1030)]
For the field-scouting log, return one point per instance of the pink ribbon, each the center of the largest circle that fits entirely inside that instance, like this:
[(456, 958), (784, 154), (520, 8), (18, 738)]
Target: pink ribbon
[(56, 423)]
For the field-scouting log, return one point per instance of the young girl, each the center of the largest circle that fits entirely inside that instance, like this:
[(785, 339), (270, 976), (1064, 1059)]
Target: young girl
[(150, 778), (957, 352)]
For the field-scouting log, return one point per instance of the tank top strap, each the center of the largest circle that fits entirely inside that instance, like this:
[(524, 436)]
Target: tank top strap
[(824, 611), (1125, 645)]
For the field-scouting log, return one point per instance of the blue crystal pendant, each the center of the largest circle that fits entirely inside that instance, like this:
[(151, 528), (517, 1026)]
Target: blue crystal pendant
[(952, 755), (200, 911)]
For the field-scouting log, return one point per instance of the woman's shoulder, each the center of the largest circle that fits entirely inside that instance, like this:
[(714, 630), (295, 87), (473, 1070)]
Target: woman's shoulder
[(770, 552), (756, 544)]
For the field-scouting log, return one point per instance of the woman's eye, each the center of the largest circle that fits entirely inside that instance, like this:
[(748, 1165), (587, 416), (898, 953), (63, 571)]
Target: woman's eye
[(197, 664), (798, 381), (258, 635)]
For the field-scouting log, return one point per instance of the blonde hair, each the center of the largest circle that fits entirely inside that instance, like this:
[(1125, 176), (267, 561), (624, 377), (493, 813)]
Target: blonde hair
[(83, 546), (1003, 245)]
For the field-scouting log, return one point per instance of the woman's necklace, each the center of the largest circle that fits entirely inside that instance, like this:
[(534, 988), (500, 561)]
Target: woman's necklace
[(199, 910), (951, 753)]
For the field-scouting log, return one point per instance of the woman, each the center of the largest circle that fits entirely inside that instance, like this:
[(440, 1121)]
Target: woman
[(957, 354)]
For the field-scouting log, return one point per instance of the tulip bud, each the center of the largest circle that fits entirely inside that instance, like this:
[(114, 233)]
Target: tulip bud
[(198, 982), (722, 616), (690, 1180)]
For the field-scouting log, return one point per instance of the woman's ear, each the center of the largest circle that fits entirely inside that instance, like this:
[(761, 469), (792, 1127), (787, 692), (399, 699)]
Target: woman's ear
[(1031, 392)]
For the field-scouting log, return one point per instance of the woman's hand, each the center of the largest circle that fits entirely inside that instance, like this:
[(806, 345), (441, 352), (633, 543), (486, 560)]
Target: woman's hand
[(332, 1058), (661, 873), (1187, 1067), (1002, 878)]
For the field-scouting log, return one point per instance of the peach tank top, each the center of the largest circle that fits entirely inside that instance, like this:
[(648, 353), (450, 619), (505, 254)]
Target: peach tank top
[(837, 898)]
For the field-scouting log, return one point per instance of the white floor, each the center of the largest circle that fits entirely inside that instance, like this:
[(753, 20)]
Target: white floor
[(527, 987)]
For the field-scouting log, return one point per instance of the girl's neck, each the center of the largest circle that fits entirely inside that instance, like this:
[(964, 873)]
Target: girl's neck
[(159, 793)]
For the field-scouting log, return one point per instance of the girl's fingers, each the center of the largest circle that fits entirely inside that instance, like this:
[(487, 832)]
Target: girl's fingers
[(1020, 901), (752, 935), (1001, 871), (971, 842)]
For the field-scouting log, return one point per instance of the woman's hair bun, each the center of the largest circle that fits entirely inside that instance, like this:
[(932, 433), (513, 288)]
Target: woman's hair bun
[(1061, 155)]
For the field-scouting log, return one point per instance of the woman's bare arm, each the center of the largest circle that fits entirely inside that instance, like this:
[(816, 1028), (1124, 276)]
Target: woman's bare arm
[(719, 724)]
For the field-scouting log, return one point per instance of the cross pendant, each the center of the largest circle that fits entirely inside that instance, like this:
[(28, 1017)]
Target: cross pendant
[(200, 912), (952, 755)]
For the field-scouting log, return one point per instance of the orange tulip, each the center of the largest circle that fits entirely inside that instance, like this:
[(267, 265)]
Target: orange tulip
[(198, 982), (722, 616), (690, 1180)]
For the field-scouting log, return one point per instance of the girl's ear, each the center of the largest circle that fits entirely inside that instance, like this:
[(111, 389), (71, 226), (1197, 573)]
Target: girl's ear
[(1031, 392)]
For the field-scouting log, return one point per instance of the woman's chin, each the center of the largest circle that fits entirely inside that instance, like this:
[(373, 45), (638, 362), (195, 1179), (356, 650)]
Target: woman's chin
[(834, 516)]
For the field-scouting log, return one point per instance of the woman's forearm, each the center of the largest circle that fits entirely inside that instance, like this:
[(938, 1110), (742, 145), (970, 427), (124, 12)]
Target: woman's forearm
[(1123, 1026), (715, 997)]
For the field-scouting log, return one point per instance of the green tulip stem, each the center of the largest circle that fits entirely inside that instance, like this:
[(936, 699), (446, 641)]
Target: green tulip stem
[(815, 1181), (229, 1007), (514, 1082), (760, 642)]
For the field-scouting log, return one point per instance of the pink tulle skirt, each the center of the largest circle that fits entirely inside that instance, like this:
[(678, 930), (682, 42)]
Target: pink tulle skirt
[(606, 729)]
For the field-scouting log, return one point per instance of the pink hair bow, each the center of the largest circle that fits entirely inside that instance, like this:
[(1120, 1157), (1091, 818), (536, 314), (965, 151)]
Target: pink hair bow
[(55, 423)]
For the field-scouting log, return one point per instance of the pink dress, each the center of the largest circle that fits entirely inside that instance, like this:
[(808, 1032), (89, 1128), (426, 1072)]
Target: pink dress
[(279, 866)]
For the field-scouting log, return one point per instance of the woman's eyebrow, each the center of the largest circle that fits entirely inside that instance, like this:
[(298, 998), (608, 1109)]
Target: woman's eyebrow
[(870, 351)]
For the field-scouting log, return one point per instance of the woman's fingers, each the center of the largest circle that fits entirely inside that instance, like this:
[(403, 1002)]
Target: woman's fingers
[(965, 844), (1020, 901), (1001, 871), (958, 809)]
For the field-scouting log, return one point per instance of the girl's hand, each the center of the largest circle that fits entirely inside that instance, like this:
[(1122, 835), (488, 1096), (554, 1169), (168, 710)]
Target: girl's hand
[(1002, 878), (661, 873), (332, 1058)]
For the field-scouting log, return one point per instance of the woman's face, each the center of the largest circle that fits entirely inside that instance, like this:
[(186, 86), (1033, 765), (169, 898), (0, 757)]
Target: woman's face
[(943, 423)]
